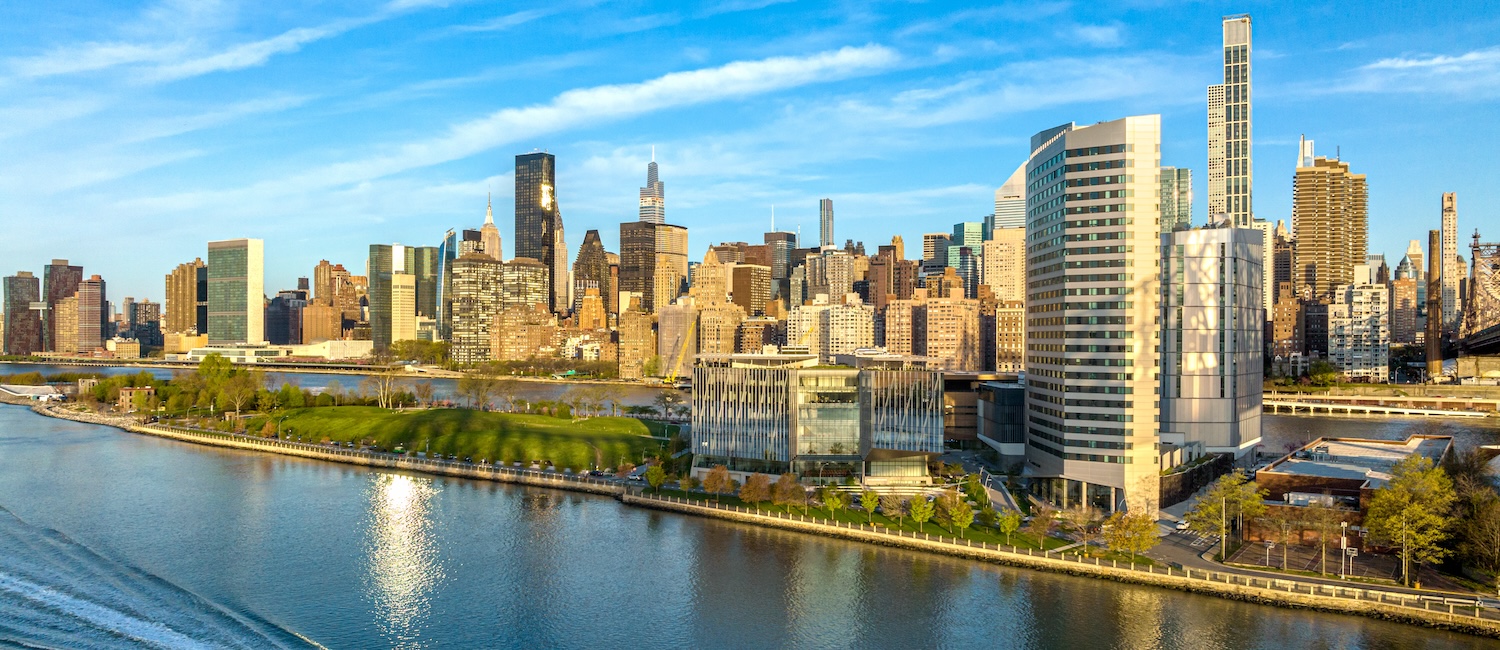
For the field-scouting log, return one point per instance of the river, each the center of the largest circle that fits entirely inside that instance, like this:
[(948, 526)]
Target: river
[(120, 539)]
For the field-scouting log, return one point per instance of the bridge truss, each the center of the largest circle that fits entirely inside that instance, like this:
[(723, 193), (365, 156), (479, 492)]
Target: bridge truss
[(1481, 319)]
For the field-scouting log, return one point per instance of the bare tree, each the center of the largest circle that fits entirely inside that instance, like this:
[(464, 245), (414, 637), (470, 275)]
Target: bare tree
[(423, 391)]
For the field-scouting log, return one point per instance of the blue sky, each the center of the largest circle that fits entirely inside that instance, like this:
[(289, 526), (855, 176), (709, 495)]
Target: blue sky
[(132, 133)]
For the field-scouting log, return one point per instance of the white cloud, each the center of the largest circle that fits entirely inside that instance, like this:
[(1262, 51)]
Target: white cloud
[(1471, 75), (507, 21), (1478, 60), (1099, 35)]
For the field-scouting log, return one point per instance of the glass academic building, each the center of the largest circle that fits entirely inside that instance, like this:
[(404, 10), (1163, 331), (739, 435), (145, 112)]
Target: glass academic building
[(773, 414)]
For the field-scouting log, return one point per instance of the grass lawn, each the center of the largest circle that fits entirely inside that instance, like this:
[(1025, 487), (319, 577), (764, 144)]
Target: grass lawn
[(508, 437)]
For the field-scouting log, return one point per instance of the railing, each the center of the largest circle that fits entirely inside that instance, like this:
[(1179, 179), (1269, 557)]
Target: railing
[(1470, 608)]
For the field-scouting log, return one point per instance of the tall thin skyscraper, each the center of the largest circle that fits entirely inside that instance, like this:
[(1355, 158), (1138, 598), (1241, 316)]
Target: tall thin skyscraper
[(825, 222), (1453, 272), (1092, 432), (447, 252), (489, 235), (1229, 161), (653, 195), (539, 221), (93, 314), (236, 291)]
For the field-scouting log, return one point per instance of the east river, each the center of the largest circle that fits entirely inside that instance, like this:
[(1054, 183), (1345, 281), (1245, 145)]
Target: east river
[(112, 539)]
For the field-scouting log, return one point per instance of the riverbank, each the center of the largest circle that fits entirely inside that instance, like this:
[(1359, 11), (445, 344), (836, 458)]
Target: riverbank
[(416, 373), (1426, 611)]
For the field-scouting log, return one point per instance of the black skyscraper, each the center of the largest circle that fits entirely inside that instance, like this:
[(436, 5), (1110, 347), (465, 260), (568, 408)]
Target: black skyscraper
[(538, 222)]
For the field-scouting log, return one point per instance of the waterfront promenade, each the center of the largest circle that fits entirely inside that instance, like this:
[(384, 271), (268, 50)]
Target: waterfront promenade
[(1431, 609)]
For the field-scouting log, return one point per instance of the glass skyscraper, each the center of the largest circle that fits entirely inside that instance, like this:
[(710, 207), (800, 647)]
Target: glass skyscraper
[(236, 291), (538, 220)]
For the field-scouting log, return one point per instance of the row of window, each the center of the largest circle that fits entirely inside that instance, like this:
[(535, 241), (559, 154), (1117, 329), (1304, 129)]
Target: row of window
[(1096, 151), (1089, 181)]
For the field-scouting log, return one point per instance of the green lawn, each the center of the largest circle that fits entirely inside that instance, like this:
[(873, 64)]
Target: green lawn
[(569, 443)]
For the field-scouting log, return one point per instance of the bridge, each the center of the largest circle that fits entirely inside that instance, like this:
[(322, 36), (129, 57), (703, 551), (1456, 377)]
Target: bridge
[(1447, 407), (1479, 332)]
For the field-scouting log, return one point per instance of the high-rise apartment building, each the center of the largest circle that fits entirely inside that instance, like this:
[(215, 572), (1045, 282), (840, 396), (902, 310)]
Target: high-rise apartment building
[(967, 234), (1005, 264), (1091, 328), (1453, 270), (1229, 129), (949, 330), (59, 280), (236, 291), (187, 298), (825, 222), (750, 287), (718, 328), (524, 283), (93, 314), (1330, 218), (403, 307), (831, 329), (935, 246), (1010, 336), (477, 297), (653, 262), (66, 314), (23, 319), (1176, 198), (653, 195), (637, 342), (1403, 310), (1211, 358), (1359, 331), (539, 227)]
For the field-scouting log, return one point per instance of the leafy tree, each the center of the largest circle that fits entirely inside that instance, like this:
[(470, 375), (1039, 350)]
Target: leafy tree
[(892, 505), (1478, 529), (787, 490), (215, 369), (1281, 526), (1008, 522), (1131, 532), (945, 506), (268, 430), (238, 391), (921, 510), (961, 517), (265, 401), (717, 481), (1326, 523), (651, 367), (1232, 497), (834, 500), (655, 476), (477, 387), (290, 396), (1411, 512), (868, 500), (1323, 373), (757, 489), (1043, 520)]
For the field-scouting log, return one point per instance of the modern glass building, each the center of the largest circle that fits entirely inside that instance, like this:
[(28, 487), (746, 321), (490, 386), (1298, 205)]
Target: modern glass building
[(774, 414), (825, 222), (236, 291), (538, 233), (1176, 198), (447, 252)]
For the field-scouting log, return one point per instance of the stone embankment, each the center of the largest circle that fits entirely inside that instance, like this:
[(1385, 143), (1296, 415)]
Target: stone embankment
[(1432, 611)]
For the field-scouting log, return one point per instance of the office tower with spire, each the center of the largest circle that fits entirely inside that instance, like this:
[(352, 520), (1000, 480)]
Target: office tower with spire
[(1229, 130), (538, 233), (1453, 270), (489, 234), (236, 291), (825, 223), (1330, 219), (1092, 432), (653, 195)]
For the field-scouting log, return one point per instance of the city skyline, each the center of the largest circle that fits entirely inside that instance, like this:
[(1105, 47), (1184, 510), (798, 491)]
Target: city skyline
[(951, 91)]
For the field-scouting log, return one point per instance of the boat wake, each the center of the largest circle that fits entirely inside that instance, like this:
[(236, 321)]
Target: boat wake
[(56, 593)]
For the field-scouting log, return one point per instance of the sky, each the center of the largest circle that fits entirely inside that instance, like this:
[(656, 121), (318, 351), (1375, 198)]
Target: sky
[(133, 133)]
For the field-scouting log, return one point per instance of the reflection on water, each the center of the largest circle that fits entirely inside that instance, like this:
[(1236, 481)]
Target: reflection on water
[(403, 557)]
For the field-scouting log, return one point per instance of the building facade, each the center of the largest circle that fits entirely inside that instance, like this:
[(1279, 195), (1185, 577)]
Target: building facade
[(1092, 304), (477, 298), (539, 228), (1176, 198), (59, 280), (1229, 129), (1453, 270), (1359, 332), (187, 298), (236, 291), (1331, 222), (22, 333)]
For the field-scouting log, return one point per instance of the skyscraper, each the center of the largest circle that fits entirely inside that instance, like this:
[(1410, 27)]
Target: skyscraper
[(477, 295), (1330, 219), (1176, 198), (1092, 436), (539, 222), (93, 314), (447, 252), (653, 195), (1005, 263), (23, 322), (187, 298), (1010, 203), (489, 235), (59, 280), (236, 291), (1229, 162), (825, 222), (1453, 272), (591, 271)]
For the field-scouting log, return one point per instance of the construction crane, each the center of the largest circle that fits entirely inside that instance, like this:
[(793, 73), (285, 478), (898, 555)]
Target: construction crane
[(671, 377)]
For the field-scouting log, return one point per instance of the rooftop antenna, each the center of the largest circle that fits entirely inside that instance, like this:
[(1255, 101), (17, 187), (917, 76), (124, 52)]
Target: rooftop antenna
[(653, 153), (773, 217)]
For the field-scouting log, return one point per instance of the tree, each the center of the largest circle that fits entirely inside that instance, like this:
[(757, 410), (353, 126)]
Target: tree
[(1478, 529), (655, 476), (1130, 532), (892, 505), (757, 489), (1233, 497), (717, 481), (238, 390), (1043, 520), (265, 401), (651, 367), (833, 500), (1411, 511), (921, 510), (476, 387), (290, 396), (423, 391), (667, 401), (215, 370), (787, 490), (868, 500), (1008, 522), (945, 506), (1323, 373), (1279, 525), (1079, 518), (962, 517), (1326, 522)]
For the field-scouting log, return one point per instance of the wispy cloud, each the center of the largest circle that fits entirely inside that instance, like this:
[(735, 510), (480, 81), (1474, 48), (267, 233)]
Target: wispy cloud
[(507, 21), (735, 6), (1099, 35), (1478, 60), (1470, 76)]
